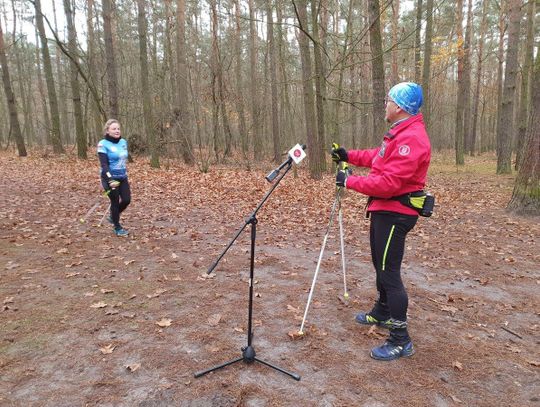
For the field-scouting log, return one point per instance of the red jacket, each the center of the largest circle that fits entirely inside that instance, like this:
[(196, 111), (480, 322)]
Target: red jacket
[(398, 166)]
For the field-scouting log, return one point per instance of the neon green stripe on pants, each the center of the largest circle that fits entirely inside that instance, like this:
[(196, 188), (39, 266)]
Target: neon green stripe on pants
[(386, 247)]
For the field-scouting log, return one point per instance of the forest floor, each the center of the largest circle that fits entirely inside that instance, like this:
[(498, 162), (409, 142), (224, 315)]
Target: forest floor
[(89, 319)]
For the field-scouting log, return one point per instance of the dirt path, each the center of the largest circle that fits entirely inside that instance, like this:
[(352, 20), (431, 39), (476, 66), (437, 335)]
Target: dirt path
[(91, 319)]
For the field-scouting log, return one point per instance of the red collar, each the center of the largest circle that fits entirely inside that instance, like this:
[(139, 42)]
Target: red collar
[(404, 124)]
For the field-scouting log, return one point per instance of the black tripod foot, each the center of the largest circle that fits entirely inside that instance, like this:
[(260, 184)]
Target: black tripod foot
[(248, 356)]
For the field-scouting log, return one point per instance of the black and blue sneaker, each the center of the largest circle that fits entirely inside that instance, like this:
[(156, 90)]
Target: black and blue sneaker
[(365, 318), (109, 219), (120, 231), (391, 351)]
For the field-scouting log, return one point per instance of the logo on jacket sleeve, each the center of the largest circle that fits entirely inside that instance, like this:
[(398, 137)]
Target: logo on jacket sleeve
[(404, 149), (382, 149)]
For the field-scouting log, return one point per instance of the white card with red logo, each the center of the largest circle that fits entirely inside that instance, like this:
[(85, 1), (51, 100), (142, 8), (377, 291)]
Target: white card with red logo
[(297, 153)]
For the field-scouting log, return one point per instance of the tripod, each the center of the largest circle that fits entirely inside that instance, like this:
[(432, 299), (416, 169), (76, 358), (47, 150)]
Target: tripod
[(248, 352)]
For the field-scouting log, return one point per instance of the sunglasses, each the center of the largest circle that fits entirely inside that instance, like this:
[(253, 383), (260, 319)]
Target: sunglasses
[(387, 100)]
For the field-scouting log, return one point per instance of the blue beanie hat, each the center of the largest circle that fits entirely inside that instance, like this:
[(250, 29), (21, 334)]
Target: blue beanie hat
[(408, 96)]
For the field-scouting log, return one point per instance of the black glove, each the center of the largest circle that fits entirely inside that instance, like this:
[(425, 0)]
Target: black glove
[(339, 154), (341, 177)]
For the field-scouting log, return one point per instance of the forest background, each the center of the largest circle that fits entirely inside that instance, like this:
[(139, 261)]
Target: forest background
[(209, 81)]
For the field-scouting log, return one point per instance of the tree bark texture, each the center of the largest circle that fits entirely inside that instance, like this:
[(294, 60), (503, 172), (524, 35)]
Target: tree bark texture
[(526, 195), (506, 118), (110, 57), (56, 138), (80, 135), (10, 97), (377, 71)]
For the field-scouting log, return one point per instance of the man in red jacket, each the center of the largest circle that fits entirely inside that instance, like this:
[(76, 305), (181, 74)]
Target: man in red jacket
[(398, 167)]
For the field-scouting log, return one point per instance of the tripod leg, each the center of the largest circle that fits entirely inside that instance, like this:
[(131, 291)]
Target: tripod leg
[(293, 375), (230, 362)]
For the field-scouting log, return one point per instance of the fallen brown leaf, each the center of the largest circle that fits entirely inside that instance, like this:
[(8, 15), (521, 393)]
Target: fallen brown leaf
[(100, 304), (107, 349), (164, 322), (213, 320)]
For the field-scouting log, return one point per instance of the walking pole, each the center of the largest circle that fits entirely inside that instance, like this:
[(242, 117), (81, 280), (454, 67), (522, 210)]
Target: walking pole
[(337, 201), (341, 239), (104, 214), (301, 331), (94, 207)]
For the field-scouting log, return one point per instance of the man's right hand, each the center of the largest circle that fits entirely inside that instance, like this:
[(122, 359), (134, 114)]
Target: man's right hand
[(114, 183), (339, 153)]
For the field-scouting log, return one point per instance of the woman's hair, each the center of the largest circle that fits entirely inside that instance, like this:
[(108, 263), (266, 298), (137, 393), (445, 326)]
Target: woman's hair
[(108, 124)]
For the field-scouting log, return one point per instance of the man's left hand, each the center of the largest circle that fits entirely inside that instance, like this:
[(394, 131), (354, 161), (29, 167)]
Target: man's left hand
[(341, 177)]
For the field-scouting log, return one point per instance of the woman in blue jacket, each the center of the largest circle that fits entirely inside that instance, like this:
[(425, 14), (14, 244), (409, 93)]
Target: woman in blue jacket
[(113, 153)]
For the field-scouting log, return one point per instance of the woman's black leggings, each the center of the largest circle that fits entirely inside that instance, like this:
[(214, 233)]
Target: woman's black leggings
[(120, 198), (387, 240)]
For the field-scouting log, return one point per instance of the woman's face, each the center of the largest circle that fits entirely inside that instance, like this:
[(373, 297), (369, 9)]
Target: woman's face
[(114, 130)]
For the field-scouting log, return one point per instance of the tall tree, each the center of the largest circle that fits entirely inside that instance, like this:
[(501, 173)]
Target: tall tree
[(182, 85), (320, 89), (93, 71), (60, 80), (256, 126), (500, 61), (10, 97), (394, 78), (218, 82), (307, 86), (145, 88), (110, 57), (377, 70), (467, 79), (240, 108), (56, 137), (80, 135), (526, 195), (417, 42), (525, 83), (276, 138), (335, 132), (426, 68), (461, 92), (506, 118), (41, 88)]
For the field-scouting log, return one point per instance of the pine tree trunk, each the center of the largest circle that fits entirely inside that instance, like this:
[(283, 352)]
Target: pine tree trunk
[(276, 138), (182, 83), (461, 92), (110, 56), (526, 195), (10, 97), (377, 71), (307, 84), (426, 71), (145, 89), (467, 80), (238, 76), (417, 43), (525, 84), (95, 134), (320, 89), (255, 107), (56, 137), (506, 118), (43, 97), (80, 134), (479, 66)]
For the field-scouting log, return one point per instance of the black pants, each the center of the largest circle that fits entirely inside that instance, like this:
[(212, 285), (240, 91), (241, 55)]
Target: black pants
[(387, 240), (120, 199)]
